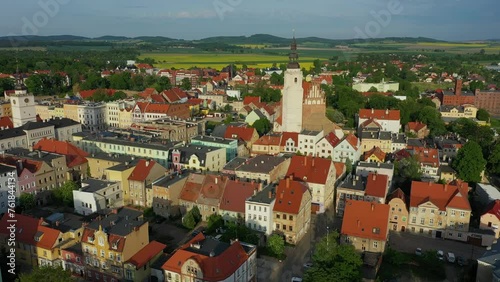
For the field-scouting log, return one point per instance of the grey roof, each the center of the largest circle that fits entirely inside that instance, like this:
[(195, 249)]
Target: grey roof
[(200, 151), (11, 133), (76, 248), (121, 223), (310, 132), (62, 122), (209, 246), (259, 114), (446, 168), (261, 164), (65, 222), (34, 155), (124, 166), (213, 139), (492, 256), (452, 119), (219, 130), (33, 125), (398, 138), (235, 163), (154, 146), (95, 185), (7, 168), (263, 195), (463, 93), (414, 142), (382, 135), (374, 165), (171, 179), (354, 183), (111, 157)]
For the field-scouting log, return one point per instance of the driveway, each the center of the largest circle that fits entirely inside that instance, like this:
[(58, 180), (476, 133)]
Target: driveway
[(407, 242)]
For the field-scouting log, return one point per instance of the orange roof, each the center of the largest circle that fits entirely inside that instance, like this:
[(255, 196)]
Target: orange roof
[(157, 98), (216, 268), (493, 208), (157, 108), (289, 135), (365, 220), (235, 195), (144, 66), (26, 228), (74, 155), (427, 156), (368, 122), (333, 139), (352, 140), (6, 122), (146, 254), (309, 169), (368, 94), (244, 133), (339, 169), (376, 185), (49, 237), (441, 195), (380, 114), (416, 126), (192, 188), (85, 94), (269, 140), (251, 99), (142, 170), (213, 187), (289, 195), (279, 120), (375, 151)]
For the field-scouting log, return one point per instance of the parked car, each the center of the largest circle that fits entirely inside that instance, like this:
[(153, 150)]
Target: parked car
[(440, 255), (308, 265), (218, 237), (450, 257), (418, 251), (296, 279), (461, 261)]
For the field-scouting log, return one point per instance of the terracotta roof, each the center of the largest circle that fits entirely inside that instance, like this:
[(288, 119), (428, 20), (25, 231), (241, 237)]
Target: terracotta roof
[(309, 169), (441, 195), (402, 154), (144, 66), (279, 120), (173, 95), (157, 98), (243, 133), (269, 140), (213, 187), (375, 151), (142, 170), (156, 108), (216, 268), (235, 195), (26, 228), (380, 114), (398, 193), (333, 139), (192, 188), (416, 126), (85, 94), (376, 185), (74, 155), (365, 220), (368, 122), (368, 94), (427, 156), (251, 99), (493, 208), (352, 140), (289, 195), (146, 254), (6, 122), (339, 169), (289, 135), (49, 237)]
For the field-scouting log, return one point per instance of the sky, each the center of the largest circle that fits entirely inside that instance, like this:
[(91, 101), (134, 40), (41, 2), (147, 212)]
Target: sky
[(453, 20)]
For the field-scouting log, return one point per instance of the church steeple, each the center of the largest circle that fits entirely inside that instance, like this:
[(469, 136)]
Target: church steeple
[(19, 80), (293, 56)]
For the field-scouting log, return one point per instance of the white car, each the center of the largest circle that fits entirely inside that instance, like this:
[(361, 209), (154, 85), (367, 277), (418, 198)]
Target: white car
[(450, 257), (296, 279), (440, 255), (418, 251)]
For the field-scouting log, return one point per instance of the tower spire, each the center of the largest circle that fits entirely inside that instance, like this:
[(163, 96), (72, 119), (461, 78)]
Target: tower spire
[(19, 81), (293, 56)]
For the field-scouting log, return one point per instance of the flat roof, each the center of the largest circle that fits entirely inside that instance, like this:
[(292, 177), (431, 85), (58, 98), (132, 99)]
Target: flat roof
[(95, 185), (213, 139)]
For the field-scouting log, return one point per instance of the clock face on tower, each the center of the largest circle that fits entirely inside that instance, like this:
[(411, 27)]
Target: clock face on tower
[(26, 100)]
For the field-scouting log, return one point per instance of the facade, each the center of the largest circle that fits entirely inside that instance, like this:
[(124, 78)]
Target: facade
[(206, 259), (231, 145), (36, 131), (440, 210), (327, 144), (22, 105), (99, 162), (365, 226), (65, 128), (96, 195), (292, 210), (456, 112), (348, 149), (490, 219), (166, 193), (308, 140), (383, 86), (380, 139), (259, 210), (92, 116), (418, 129), (198, 157), (292, 94), (121, 173), (267, 145), (488, 100), (398, 214), (389, 120), (263, 168), (138, 267), (143, 175)]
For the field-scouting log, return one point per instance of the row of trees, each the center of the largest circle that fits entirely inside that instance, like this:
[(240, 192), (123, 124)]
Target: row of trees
[(62, 196)]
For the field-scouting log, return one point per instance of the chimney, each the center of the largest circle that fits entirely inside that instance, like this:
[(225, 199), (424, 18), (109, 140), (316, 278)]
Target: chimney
[(373, 207), (57, 223), (387, 111), (40, 154), (255, 191), (147, 163), (270, 194), (216, 180), (458, 87), (305, 161), (20, 164), (374, 176), (288, 183), (359, 223), (373, 111), (260, 186), (446, 187), (313, 161)]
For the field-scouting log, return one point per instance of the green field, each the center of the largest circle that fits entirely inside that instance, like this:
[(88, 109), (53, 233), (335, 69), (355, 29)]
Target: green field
[(220, 60)]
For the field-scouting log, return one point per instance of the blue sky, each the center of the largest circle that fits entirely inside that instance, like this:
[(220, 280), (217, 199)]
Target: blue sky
[(195, 19)]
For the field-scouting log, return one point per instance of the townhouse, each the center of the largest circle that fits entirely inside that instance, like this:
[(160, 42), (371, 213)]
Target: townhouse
[(417, 129), (398, 214), (490, 218), (174, 130), (248, 135), (64, 128), (96, 195), (144, 174), (429, 160), (263, 168), (327, 144), (348, 149), (375, 155), (198, 157), (389, 120), (307, 142), (138, 267), (259, 210), (232, 203), (289, 142), (267, 145), (381, 139), (166, 191), (121, 173), (99, 162)]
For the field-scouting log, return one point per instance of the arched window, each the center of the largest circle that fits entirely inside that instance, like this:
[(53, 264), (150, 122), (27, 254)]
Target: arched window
[(295, 80)]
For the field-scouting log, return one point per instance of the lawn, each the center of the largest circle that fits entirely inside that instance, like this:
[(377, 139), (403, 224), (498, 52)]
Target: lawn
[(423, 86), (495, 123)]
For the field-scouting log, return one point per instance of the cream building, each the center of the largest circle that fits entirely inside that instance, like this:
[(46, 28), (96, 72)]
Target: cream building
[(292, 94), (383, 86), (23, 106)]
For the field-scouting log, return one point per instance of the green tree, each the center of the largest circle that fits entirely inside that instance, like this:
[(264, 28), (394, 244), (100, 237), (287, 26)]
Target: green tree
[(348, 166), (214, 222), (64, 194), (373, 89), (227, 108), (196, 214), (186, 84), (276, 245), (163, 83), (333, 262), (188, 221), (469, 162), (27, 201), (99, 95), (46, 273), (483, 115), (263, 126), (6, 84), (493, 164), (276, 79), (119, 95), (430, 116), (408, 168)]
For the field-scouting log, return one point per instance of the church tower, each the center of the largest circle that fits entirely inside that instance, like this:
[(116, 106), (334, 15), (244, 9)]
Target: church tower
[(293, 93), (22, 103)]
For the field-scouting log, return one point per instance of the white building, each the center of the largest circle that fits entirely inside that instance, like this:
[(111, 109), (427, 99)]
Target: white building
[(23, 106), (65, 128), (8, 175), (326, 146), (389, 120), (365, 168), (293, 94), (308, 140), (92, 116), (96, 195), (487, 193), (114, 111), (259, 210), (348, 148), (36, 131), (383, 86)]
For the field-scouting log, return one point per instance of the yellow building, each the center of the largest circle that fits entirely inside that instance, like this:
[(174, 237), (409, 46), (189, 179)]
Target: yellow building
[(6, 109), (100, 162), (43, 111), (121, 173), (464, 111), (138, 268), (380, 139), (109, 242), (375, 155), (71, 111), (125, 119), (490, 220), (398, 214), (144, 174)]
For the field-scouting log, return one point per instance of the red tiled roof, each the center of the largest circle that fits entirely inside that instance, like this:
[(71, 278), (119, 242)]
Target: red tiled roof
[(146, 254), (269, 140), (368, 122), (26, 228), (213, 187), (112, 239), (309, 169), (243, 133), (416, 126), (157, 108), (279, 120), (399, 194), (339, 169), (85, 94), (192, 188), (49, 237), (352, 140), (368, 94), (6, 122), (289, 135), (375, 151), (216, 268), (365, 220), (380, 114), (289, 195), (377, 185), (441, 195), (333, 139), (251, 99), (402, 154), (235, 195), (427, 156), (494, 208), (142, 170), (31, 165), (157, 98), (74, 155), (144, 66)]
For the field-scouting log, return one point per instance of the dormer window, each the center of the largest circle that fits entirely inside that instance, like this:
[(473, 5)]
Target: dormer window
[(38, 236), (101, 241), (91, 239)]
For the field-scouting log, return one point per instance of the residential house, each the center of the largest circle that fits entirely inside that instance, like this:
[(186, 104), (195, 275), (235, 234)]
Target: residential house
[(375, 155), (121, 173), (326, 146), (365, 226), (138, 267), (308, 140), (289, 142), (381, 139), (292, 210), (232, 204), (490, 219), (389, 120), (198, 157), (348, 148), (440, 210), (486, 193), (429, 160), (267, 145), (190, 192), (100, 162), (418, 129), (259, 210), (210, 195), (13, 138), (96, 195), (231, 145), (65, 128), (206, 259), (446, 173), (248, 134), (263, 168), (166, 191), (398, 214), (144, 174), (37, 130)]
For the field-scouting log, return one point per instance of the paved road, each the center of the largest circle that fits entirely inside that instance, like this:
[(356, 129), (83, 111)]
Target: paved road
[(407, 242)]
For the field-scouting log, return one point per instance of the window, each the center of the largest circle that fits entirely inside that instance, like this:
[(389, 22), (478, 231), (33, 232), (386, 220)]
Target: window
[(284, 227), (375, 244), (291, 216), (284, 216), (277, 226), (452, 213), (422, 221), (431, 221), (462, 214)]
